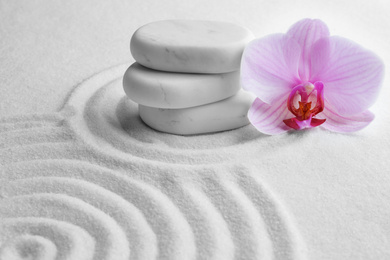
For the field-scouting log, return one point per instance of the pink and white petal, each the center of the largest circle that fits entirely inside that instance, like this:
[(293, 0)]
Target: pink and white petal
[(352, 75), (268, 119), (319, 59), (269, 67), (306, 32), (337, 123)]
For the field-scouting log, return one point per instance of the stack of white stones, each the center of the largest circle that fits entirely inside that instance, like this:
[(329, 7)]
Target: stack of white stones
[(186, 76)]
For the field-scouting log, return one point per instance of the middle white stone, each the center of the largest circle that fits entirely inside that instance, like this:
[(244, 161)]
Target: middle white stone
[(162, 89)]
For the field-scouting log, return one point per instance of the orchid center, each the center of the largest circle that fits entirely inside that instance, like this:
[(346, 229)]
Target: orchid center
[(305, 102)]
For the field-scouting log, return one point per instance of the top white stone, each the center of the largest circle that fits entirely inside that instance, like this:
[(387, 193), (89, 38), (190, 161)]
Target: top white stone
[(190, 46)]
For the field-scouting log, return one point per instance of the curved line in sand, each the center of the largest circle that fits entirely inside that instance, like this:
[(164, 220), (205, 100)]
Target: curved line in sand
[(174, 236), (71, 241), (214, 215), (229, 214), (128, 217), (110, 240), (96, 111)]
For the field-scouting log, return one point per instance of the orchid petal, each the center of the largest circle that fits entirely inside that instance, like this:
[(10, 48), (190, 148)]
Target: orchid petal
[(337, 123), (306, 32), (320, 56), (269, 67), (351, 74), (268, 119)]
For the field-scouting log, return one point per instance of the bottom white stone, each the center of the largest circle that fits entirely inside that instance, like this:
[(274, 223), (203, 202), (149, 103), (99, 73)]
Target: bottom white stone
[(223, 115)]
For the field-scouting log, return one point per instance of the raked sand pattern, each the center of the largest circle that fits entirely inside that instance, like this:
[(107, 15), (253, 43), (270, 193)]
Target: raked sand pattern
[(93, 182)]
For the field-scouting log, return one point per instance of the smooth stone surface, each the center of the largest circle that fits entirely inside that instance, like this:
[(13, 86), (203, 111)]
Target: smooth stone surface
[(190, 46), (177, 90), (224, 115)]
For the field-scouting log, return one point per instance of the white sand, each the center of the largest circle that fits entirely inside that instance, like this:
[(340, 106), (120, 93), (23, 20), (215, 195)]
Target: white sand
[(165, 196), (81, 177)]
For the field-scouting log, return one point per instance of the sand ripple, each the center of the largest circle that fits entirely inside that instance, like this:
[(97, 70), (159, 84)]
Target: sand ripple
[(214, 215), (106, 119), (93, 182), (44, 238)]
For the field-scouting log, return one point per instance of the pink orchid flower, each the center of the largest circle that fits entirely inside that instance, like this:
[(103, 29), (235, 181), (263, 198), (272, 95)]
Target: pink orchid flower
[(307, 78)]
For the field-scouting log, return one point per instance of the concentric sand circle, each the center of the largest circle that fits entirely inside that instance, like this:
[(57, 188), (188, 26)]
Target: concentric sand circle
[(213, 214), (106, 119), (93, 182)]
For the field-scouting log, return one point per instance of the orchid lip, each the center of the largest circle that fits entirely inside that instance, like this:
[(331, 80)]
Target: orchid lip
[(304, 113)]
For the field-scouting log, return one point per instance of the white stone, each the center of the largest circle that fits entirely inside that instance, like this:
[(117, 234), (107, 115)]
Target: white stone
[(190, 46), (224, 115), (177, 90)]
